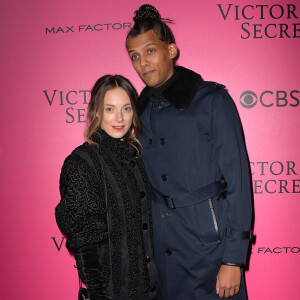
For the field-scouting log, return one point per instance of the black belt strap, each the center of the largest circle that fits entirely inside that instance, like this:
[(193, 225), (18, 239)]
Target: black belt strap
[(196, 197)]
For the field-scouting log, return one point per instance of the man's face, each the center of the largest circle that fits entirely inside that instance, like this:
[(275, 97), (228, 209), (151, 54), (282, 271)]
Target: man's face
[(151, 58)]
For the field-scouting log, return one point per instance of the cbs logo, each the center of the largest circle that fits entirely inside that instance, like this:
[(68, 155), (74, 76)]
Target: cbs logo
[(249, 99)]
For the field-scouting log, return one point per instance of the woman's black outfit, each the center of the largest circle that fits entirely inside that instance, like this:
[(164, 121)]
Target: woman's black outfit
[(106, 213)]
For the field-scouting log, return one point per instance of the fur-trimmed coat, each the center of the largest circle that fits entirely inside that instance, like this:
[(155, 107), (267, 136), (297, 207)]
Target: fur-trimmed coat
[(124, 267)]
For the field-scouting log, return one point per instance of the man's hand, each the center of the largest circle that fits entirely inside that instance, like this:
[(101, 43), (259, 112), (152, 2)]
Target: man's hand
[(228, 281)]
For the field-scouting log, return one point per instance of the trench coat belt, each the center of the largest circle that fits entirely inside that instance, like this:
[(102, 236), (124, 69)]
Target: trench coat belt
[(182, 200)]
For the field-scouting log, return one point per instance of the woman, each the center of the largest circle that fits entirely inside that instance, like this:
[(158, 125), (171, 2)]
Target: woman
[(105, 208)]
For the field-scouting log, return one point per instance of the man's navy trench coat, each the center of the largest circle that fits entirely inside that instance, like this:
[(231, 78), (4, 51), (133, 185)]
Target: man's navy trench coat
[(192, 140)]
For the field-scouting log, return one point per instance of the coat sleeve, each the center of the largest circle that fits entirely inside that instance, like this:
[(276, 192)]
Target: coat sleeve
[(79, 214), (90, 260), (229, 149)]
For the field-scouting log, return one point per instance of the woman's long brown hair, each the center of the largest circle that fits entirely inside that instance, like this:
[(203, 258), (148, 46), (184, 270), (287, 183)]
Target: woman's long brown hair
[(96, 106)]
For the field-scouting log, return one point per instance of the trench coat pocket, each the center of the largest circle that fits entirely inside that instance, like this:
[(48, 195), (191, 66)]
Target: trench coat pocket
[(205, 220)]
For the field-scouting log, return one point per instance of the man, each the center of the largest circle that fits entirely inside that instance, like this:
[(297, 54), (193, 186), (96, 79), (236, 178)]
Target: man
[(192, 147)]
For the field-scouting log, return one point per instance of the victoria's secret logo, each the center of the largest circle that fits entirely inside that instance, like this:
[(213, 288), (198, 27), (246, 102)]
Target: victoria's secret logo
[(72, 99), (74, 102), (278, 177), (255, 26), (58, 243)]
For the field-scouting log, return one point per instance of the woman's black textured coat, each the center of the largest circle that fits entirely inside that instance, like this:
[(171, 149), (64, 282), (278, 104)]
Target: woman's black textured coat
[(128, 270)]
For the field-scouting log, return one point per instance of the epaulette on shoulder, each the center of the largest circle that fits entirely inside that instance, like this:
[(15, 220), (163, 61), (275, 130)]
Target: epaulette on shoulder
[(213, 84)]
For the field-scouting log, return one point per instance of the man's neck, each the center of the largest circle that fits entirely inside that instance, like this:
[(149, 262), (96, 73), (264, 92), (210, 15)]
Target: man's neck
[(157, 92)]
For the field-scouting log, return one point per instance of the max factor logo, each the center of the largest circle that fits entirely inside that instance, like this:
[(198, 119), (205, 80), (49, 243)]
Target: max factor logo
[(58, 242), (261, 29), (87, 28), (280, 98), (275, 250)]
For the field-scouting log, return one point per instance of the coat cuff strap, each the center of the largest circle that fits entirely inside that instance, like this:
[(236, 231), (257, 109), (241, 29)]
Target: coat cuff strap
[(243, 235), (231, 264)]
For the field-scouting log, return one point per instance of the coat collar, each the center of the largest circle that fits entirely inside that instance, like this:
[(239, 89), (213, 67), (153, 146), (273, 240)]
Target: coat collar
[(120, 147), (180, 93)]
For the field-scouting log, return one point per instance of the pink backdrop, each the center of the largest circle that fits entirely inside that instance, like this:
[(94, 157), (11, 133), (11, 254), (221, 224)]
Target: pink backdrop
[(53, 51)]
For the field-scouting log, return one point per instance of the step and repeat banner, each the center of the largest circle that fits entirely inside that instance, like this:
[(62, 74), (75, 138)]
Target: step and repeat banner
[(52, 52)]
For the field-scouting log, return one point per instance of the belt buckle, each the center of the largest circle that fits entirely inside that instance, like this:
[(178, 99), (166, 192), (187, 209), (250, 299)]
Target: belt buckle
[(167, 202)]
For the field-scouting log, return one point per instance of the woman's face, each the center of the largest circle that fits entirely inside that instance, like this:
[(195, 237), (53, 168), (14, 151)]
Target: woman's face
[(117, 113)]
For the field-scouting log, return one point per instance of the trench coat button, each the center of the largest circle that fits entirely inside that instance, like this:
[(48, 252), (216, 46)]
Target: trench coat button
[(145, 226), (150, 141), (132, 164), (142, 194), (161, 105), (162, 141), (164, 177), (169, 252), (148, 259), (164, 215)]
